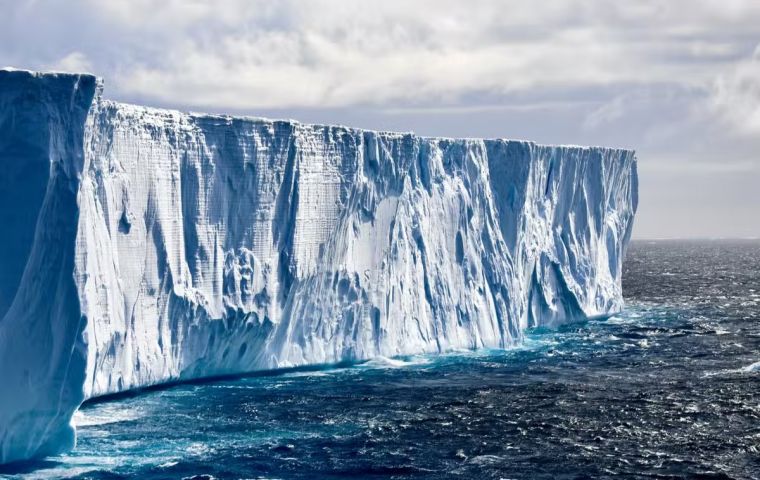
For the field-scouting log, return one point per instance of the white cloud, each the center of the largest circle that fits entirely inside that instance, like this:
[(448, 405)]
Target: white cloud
[(737, 95), (75, 62)]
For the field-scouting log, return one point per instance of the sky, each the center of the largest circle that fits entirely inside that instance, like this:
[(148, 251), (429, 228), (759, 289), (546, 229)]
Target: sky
[(676, 80)]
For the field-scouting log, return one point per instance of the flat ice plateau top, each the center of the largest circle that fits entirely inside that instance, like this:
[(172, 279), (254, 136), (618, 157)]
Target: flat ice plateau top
[(142, 246)]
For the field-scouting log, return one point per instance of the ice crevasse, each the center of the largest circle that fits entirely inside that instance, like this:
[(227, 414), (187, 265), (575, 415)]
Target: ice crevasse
[(143, 246)]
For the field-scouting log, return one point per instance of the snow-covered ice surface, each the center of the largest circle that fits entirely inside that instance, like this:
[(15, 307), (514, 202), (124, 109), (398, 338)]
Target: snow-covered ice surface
[(144, 246)]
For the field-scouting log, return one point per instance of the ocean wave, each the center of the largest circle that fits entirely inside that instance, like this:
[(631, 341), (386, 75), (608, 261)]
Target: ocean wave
[(104, 416), (386, 362), (755, 367)]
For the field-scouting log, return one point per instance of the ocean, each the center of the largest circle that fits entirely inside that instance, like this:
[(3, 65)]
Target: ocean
[(666, 389)]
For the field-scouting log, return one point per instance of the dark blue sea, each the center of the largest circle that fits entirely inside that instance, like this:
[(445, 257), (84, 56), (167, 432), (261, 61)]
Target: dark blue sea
[(668, 389)]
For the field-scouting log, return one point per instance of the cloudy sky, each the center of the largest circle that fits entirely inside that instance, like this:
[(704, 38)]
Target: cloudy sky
[(677, 80)]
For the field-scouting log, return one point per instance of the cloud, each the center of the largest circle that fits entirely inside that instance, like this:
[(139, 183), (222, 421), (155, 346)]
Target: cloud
[(75, 62), (674, 79), (736, 95), (476, 108), (249, 54), (328, 54)]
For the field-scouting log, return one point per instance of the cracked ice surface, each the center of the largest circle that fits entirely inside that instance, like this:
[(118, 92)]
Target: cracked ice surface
[(145, 245)]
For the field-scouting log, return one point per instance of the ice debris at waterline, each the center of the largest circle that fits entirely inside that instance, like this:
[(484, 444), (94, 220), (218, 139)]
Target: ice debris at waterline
[(142, 246)]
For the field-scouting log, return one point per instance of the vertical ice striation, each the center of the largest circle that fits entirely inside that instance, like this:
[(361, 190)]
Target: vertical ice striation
[(175, 246)]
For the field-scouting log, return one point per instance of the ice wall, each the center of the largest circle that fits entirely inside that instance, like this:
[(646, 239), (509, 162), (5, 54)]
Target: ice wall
[(175, 246), (42, 351)]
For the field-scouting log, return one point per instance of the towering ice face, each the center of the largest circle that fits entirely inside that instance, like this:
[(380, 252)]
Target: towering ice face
[(43, 353), (173, 246)]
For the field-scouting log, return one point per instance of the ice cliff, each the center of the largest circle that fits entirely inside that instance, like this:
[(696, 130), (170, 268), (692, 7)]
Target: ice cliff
[(142, 246)]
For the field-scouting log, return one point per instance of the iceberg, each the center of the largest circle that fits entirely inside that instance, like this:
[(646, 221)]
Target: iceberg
[(143, 246)]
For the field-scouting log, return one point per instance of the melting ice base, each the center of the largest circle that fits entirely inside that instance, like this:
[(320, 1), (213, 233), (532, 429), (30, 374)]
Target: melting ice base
[(151, 246)]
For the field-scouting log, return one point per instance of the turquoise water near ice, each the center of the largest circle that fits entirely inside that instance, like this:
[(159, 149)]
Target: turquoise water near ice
[(667, 389)]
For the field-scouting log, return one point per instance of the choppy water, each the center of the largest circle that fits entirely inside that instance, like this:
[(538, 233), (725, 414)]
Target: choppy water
[(669, 389)]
